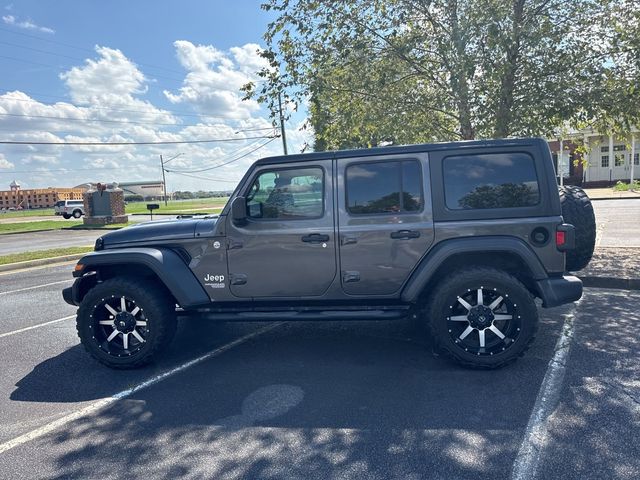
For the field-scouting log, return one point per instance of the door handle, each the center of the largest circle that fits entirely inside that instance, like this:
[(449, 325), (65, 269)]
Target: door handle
[(315, 238), (405, 234)]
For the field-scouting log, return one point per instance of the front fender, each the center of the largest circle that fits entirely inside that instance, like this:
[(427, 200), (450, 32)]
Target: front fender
[(166, 264), (446, 249)]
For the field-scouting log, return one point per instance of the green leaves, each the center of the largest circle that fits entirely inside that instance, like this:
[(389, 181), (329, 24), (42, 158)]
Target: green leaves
[(407, 71)]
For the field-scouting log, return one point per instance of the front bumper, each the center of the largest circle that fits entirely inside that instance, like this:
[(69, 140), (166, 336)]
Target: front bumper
[(74, 294), (556, 291)]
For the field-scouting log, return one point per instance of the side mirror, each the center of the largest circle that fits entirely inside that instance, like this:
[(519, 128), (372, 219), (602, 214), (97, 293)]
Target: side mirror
[(239, 210)]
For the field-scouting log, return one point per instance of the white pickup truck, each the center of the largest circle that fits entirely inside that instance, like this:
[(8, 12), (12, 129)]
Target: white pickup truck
[(69, 208)]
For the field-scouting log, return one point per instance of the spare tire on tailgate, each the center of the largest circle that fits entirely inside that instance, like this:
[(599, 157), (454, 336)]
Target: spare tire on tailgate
[(578, 211)]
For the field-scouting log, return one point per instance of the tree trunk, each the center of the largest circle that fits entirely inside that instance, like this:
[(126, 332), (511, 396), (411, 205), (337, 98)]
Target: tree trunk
[(504, 112), (459, 85)]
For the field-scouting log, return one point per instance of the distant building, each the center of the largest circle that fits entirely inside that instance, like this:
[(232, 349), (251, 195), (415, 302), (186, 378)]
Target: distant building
[(17, 198), (145, 188), (608, 158)]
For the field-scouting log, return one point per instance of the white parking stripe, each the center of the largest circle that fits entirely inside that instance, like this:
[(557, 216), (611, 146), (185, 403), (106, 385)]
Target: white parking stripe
[(25, 329), (536, 435), (99, 404), (36, 286)]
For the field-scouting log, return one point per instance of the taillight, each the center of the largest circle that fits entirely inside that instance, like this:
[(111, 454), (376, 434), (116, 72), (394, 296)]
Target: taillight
[(561, 239)]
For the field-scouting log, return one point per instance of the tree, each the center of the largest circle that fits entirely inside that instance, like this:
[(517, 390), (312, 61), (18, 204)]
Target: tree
[(419, 70)]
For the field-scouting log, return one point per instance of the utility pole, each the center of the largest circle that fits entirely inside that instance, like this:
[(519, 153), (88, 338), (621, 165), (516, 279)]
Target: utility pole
[(282, 132), (164, 181)]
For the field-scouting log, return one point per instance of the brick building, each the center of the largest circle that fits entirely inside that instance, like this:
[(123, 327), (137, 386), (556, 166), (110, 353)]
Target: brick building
[(17, 198)]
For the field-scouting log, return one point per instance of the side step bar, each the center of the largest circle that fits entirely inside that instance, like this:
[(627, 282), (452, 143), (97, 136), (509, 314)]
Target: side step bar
[(288, 315)]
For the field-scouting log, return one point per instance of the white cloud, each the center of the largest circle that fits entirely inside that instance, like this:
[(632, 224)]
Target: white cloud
[(109, 86), (106, 79), (214, 78), (27, 24), (4, 163)]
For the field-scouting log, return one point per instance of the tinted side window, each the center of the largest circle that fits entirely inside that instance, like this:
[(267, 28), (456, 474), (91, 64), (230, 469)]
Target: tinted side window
[(504, 180), (384, 187), (287, 194)]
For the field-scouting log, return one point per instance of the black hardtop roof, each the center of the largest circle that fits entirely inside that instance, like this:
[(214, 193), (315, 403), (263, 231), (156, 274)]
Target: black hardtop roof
[(400, 149)]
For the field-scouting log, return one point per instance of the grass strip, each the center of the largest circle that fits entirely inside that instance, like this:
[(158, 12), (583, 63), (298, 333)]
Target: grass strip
[(38, 254), (23, 227)]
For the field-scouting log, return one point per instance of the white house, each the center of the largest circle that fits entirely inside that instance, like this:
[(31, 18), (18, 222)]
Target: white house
[(609, 158)]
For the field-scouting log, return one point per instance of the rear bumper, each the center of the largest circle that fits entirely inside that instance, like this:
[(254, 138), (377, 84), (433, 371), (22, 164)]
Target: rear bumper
[(556, 291)]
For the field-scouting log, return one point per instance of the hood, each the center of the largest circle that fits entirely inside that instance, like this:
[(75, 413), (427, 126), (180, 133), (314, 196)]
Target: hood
[(160, 230)]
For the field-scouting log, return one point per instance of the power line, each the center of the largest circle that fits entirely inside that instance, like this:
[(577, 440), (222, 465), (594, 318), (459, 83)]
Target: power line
[(227, 163), (165, 142), (66, 100), (132, 122), (79, 48), (70, 169), (199, 177)]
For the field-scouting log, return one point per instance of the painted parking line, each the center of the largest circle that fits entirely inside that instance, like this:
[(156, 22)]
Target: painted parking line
[(26, 329), (536, 435), (104, 402), (36, 286)]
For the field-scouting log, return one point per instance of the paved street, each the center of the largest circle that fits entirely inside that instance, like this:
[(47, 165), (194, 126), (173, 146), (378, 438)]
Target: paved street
[(24, 242), (312, 400), (618, 223)]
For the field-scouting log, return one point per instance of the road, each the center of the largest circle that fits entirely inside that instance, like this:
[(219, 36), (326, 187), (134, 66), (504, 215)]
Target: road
[(316, 400), (618, 223)]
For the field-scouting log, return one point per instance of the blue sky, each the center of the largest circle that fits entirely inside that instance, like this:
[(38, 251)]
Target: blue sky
[(131, 71)]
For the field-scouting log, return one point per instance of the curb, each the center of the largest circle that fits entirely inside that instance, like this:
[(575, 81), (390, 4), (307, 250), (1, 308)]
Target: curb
[(613, 198), (611, 282), (41, 261)]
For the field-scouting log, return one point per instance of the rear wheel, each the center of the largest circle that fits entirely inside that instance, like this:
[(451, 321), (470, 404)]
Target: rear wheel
[(66, 216), (125, 323), (482, 317)]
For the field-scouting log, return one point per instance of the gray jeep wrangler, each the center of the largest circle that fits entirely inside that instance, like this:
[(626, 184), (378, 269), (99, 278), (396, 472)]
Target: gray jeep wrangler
[(461, 237)]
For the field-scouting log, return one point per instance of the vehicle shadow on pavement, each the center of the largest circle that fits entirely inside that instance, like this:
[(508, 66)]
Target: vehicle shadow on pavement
[(313, 401), (73, 376)]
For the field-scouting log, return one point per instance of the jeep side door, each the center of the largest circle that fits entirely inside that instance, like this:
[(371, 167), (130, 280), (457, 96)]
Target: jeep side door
[(385, 221), (287, 246)]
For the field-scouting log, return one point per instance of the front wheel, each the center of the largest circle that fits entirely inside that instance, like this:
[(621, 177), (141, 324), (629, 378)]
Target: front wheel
[(126, 323), (77, 214), (482, 317)]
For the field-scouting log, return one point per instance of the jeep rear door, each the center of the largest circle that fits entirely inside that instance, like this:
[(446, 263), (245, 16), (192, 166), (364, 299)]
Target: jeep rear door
[(287, 248), (385, 222)]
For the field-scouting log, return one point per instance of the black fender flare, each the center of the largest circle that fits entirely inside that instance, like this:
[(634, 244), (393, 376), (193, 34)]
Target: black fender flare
[(447, 248), (169, 267)]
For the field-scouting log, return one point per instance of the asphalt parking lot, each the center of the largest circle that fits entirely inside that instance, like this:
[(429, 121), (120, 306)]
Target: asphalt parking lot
[(313, 400)]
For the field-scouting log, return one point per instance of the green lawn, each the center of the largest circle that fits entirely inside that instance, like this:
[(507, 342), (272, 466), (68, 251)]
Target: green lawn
[(37, 225), (36, 212), (211, 205), (55, 252), (204, 205)]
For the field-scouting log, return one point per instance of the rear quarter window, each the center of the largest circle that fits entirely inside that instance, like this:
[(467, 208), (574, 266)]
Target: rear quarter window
[(486, 181)]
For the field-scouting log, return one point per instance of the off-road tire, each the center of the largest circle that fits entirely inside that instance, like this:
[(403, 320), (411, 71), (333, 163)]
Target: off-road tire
[(77, 214), (66, 216), (578, 211), (158, 307), (443, 299)]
